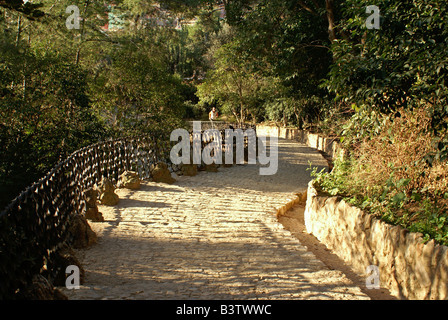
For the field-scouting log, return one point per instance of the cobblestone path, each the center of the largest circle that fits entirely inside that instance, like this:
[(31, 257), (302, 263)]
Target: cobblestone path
[(212, 236)]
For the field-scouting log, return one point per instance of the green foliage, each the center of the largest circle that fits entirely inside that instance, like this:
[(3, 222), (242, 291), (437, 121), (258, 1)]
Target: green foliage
[(333, 182), (30, 10), (237, 87), (305, 63), (282, 40), (280, 110), (386, 174), (285, 109), (417, 213), (401, 65), (65, 89), (44, 115)]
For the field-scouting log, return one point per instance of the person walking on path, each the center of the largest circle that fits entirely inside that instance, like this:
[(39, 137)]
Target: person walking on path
[(213, 115)]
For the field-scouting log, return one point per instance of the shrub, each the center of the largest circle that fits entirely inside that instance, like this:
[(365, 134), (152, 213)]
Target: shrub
[(398, 153), (388, 174)]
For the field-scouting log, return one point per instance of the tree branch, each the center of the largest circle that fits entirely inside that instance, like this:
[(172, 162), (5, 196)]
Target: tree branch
[(316, 4), (304, 6)]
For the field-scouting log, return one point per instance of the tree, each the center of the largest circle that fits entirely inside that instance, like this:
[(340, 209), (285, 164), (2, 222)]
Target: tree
[(238, 88), (132, 90), (59, 89), (285, 43), (30, 10), (401, 65), (44, 114)]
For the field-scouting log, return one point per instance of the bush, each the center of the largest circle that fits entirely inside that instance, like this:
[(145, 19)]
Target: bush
[(398, 152), (388, 174)]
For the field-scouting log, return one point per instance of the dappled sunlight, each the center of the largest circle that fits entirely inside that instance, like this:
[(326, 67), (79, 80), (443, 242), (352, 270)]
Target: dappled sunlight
[(152, 268), (212, 236)]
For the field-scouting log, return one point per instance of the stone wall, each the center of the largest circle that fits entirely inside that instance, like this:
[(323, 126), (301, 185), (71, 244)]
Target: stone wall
[(330, 145), (408, 267)]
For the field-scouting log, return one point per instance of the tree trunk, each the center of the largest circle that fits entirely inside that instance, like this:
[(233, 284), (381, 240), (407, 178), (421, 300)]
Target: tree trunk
[(241, 112), (78, 52), (330, 18), (235, 114), (330, 15), (19, 29), (298, 118), (284, 116)]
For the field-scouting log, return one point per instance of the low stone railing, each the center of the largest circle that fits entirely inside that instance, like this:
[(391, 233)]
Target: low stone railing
[(329, 145)]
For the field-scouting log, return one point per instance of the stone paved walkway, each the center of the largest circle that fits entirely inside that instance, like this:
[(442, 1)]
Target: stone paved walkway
[(212, 236)]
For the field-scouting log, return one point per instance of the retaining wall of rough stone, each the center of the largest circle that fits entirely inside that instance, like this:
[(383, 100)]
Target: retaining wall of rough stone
[(408, 267), (330, 145)]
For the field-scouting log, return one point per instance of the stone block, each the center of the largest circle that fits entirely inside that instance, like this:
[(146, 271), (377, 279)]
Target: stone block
[(129, 180), (189, 170), (64, 258), (92, 212), (108, 197), (83, 235), (211, 167), (42, 289), (94, 215), (162, 174)]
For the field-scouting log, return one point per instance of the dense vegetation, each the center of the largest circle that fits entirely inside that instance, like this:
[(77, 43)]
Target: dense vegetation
[(307, 63), (61, 88), (395, 80)]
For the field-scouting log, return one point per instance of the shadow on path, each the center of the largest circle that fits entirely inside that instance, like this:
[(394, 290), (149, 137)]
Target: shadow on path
[(212, 236)]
